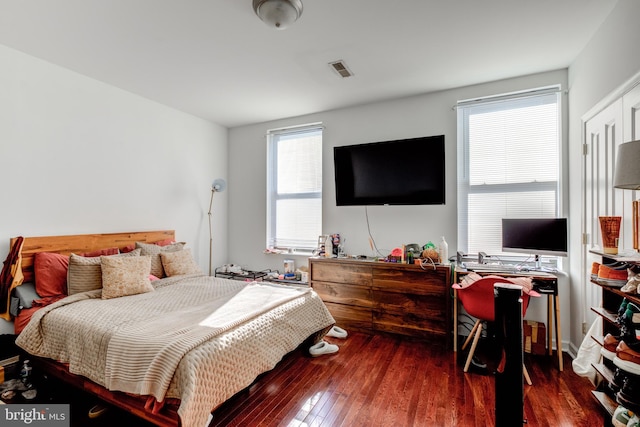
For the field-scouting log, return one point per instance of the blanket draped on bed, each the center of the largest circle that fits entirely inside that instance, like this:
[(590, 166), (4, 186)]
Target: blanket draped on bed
[(221, 354), (142, 357)]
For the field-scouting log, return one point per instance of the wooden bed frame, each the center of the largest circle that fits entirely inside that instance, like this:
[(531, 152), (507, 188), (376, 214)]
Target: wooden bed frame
[(81, 243)]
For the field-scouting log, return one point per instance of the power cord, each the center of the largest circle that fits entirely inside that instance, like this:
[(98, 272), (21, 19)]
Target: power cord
[(427, 261), (372, 242)]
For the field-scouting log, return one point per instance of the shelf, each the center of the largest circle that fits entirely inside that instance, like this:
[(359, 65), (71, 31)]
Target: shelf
[(615, 290), (263, 275), (286, 281), (599, 339), (604, 371), (605, 401), (627, 257), (241, 275), (612, 297), (606, 314)]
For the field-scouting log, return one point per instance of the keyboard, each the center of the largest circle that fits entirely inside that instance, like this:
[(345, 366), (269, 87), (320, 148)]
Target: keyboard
[(497, 268)]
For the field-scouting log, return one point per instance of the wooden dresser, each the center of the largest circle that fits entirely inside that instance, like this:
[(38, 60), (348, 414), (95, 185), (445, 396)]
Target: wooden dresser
[(376, 297)]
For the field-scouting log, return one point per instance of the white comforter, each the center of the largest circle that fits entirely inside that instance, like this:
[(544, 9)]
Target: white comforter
[(216, 347)]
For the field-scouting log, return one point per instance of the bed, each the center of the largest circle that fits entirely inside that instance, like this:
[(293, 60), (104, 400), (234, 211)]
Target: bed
[(173, 353)]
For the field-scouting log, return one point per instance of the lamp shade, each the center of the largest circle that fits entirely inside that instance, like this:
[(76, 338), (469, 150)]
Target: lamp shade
[(627, 173), (218, 185), (278, 14)]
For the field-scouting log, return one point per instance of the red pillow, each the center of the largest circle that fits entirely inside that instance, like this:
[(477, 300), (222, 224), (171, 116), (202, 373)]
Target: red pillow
[(100, 252), (128, 248), (165, 242), (51, 274)]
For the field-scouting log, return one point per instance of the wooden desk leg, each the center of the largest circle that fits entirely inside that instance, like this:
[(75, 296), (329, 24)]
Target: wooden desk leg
[(455, 320), (556, 306), (549, 326)]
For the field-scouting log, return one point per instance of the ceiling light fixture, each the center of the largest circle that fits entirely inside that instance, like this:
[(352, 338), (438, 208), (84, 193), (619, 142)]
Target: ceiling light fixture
[(278, 14)]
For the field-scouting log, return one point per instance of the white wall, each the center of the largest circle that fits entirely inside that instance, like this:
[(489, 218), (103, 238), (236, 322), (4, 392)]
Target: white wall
[(391, 226), (79, 156), (607, 62)]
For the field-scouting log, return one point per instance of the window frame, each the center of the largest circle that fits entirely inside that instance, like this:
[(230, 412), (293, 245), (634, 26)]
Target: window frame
[(467, 108), (273, 197)]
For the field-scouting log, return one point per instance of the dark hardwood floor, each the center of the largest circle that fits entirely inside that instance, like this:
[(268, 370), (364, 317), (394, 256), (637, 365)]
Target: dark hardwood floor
[(383, 381)]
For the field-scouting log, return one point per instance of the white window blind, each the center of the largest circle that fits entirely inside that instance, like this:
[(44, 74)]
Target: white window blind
[(294, 188), (508, 164)]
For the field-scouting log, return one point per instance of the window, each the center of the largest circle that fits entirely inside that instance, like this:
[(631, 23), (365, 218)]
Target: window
[(294, 188), (508, 164)]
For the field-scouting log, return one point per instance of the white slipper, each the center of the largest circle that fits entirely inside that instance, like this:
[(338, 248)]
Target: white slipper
[(337, 332), (323, 347), (627, 366)]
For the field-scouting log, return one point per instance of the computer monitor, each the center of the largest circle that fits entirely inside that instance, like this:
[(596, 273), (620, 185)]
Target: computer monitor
[(535, 236)]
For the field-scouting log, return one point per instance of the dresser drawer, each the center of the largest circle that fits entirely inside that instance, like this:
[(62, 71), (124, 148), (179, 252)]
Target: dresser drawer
[(338, 293), (419, 305), (351, 317), (415, 281), (340, 273), (409, 324)]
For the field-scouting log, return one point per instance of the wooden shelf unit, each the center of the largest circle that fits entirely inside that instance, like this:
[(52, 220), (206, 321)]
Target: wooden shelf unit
[(611, 299), (380, 297)]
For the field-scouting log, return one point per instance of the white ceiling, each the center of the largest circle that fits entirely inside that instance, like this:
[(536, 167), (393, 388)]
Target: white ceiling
[(215, 59)]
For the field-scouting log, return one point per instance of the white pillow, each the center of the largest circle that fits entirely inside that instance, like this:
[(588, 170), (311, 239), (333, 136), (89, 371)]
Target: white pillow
[(178, 263), (154, 251), (85, 273), (125, 276)]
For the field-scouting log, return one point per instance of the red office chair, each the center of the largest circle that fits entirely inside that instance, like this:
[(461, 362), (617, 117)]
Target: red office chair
[(478, 300)]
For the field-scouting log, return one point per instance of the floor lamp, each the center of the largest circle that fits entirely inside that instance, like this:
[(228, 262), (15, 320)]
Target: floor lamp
[(217, 186), (627, 176)]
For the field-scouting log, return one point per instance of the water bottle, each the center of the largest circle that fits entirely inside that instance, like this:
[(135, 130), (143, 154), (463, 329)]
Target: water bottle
[(444, 251), (410, 256), (25, 374)]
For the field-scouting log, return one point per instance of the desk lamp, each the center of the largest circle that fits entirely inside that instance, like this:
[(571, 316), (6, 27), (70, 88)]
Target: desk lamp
[(627, 177)]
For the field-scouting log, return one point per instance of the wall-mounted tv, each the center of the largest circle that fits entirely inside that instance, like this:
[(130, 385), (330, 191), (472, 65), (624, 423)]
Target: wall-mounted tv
[(400, 172), (537, 236)]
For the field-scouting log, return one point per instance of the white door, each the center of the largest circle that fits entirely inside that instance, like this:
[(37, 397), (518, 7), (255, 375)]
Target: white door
[(603, 133), (617, 123), (631, 110)]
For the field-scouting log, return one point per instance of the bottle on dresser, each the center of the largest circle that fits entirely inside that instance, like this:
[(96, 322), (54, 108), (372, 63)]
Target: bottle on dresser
[(444, 251)]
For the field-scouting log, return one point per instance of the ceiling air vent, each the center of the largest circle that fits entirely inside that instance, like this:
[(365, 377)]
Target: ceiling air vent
[(341, 68)]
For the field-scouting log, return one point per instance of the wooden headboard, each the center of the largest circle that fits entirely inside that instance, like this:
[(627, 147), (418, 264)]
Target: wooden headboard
[(80, 243)]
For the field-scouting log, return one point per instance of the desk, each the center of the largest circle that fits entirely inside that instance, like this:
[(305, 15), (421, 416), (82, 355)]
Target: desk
[(544, 284)]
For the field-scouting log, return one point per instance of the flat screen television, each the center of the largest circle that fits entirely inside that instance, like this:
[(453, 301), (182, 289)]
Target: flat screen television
[(400, 172), (536, 236)]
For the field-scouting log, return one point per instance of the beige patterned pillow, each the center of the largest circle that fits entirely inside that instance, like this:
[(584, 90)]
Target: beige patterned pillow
[(149, 249), (125, 276), (85, 274), (177, 263)]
